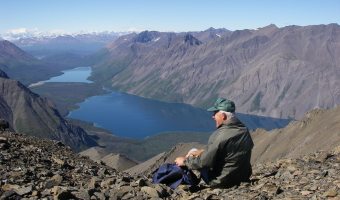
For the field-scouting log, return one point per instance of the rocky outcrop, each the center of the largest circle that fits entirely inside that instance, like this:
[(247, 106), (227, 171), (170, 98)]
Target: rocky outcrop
[(33, 168), (209, 34), (95, 153), (118, 161)]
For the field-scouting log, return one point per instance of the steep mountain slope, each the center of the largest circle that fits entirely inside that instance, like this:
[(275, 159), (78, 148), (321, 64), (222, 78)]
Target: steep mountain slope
[(30, 114), (156, 73), (117, 55), (21, 66), (277, 72), (318, 130)]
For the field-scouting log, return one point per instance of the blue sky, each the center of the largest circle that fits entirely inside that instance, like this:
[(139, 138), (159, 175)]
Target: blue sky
[(163, 15)]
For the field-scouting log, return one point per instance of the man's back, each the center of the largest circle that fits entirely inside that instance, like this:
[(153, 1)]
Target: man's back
[(227, 155)]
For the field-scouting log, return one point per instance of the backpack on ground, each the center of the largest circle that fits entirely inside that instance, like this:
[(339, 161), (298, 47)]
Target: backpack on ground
[(173, 175)]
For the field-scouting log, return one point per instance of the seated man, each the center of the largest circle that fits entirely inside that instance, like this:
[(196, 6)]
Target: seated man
[(225, 161)]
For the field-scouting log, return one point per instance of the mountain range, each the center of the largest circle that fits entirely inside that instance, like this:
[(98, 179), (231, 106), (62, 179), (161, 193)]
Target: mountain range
[(271, 71), (45, 43), (280, 72), (23, 33), (144, 148)]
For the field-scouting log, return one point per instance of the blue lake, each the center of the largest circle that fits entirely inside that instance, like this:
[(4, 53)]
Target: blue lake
[(136, 117), (131, 116), (78, 74)]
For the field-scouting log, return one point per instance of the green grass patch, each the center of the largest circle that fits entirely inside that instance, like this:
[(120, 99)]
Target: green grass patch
[(289, 56), (235, 79), (256, 102), (298, 91), (283, 94)]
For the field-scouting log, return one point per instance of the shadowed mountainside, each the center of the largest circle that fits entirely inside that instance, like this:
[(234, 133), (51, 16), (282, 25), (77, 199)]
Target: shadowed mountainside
[(31, 114), (23, 67)]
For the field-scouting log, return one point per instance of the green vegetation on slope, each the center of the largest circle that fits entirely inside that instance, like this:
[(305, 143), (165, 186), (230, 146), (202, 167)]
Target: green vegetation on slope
[(67, 95), (283, 94), (256, 102)]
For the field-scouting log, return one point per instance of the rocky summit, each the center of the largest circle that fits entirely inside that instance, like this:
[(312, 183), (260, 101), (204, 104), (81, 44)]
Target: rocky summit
[(33, 168)]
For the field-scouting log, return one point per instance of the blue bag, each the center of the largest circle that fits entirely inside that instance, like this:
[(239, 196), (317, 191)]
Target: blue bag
[(173, 175)]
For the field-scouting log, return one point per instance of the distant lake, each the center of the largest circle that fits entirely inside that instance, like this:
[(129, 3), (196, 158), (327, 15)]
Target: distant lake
[(78, 74), (132, 116)]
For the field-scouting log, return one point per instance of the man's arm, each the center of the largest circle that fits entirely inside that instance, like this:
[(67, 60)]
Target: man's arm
[(206, 158), (180, 161), (194, 153)]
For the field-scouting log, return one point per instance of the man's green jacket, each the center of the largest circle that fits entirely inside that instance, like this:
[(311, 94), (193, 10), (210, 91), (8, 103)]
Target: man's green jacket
[(227, 155)]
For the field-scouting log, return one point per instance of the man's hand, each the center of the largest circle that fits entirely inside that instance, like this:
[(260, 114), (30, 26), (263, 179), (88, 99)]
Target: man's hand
[(194, 153), (180, 161)]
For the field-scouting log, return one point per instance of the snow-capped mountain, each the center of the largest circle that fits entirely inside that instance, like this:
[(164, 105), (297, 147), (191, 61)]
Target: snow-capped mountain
[(23, 33), (40, 43)]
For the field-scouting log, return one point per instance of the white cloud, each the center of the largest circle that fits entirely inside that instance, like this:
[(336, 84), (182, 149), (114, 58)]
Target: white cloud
[(135, 29), (21, 30)]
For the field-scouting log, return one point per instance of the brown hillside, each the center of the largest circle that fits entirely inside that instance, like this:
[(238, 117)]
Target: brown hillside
[(318, 130)]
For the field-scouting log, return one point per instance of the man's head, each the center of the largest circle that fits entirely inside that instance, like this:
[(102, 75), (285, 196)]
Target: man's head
[(224, 105), (223, 110)]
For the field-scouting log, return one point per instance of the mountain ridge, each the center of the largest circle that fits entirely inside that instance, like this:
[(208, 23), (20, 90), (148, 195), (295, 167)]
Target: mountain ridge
[(268, 71)]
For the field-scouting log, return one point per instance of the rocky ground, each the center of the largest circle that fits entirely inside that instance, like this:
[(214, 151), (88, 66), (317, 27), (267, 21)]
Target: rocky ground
[(33, 168)]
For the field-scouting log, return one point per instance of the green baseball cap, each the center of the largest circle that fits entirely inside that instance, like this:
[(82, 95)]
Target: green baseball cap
[(223, 104)]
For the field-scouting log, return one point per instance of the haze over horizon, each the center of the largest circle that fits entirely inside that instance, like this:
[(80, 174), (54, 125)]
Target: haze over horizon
[(85, 15)]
